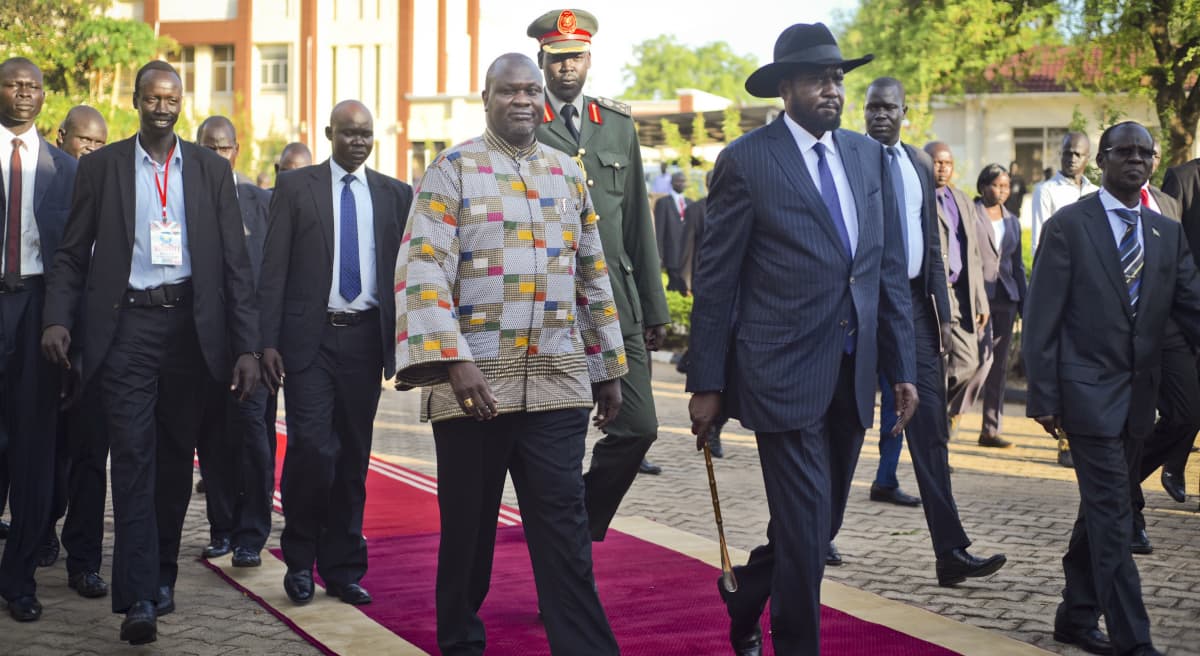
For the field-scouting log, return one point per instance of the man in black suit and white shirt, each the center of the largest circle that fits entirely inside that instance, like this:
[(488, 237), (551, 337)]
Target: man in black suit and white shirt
[(1108, 275), (154, 249), (329, 317)]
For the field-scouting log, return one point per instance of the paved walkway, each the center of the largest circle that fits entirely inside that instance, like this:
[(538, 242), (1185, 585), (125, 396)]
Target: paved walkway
[(1015, 500)]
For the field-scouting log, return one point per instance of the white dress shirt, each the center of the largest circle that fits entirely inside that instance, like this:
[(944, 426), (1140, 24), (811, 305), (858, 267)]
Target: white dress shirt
[(806, 141), (914, 201), (998, 231), (364, 211), (31, 242), (1053, 195), (1111, 204)]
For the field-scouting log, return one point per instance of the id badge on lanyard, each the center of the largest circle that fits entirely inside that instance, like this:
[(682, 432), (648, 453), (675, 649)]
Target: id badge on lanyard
[(166, 235)]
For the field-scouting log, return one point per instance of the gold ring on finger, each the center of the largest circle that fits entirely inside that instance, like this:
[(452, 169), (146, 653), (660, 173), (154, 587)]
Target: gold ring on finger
[(469, 403)]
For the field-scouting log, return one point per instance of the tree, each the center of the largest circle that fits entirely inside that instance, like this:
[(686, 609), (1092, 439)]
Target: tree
[(1146, 48), (940, 48), (662, 64)]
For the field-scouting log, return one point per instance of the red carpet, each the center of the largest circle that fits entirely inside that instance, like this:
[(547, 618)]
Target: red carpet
[(658, 601)]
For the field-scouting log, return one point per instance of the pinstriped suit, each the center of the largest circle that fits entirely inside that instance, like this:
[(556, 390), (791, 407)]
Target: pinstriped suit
[(771, 256)]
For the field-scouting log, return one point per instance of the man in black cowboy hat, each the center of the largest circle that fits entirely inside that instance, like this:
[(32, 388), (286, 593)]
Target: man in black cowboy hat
[(803, 246)]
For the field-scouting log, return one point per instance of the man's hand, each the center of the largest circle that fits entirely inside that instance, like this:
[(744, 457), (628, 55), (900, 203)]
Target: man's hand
[(246, 375), (981, 321), (56, 341), (705, 409), (1050, 424), (472, 391), (947, 334), (906, 405), (272, 369), (655, 336), (607, 396)]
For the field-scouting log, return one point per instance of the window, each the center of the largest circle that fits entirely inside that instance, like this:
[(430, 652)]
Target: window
[(185, 65), (222, 69), (1036, 149), (273, 67)]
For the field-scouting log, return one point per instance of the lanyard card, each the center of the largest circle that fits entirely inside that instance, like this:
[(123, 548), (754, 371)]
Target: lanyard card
[(166, 243)]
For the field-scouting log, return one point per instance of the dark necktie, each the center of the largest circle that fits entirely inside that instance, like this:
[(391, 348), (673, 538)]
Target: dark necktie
[(568, 116), (833, 203), (1131, 255), (898, 185), (12, 233), (953, 247), (351, 277)]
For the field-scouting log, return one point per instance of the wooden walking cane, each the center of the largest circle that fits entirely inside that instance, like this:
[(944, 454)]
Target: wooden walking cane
[(728, 580)]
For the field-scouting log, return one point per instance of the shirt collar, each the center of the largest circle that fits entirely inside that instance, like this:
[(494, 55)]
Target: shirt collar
[(805, 140), (496, 143), (338, 172), (556, 103), (1111, 203), (29, 137), (143, 156)]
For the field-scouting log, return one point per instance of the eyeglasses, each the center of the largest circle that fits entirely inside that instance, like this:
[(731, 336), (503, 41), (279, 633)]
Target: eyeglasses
[(1127, 152)]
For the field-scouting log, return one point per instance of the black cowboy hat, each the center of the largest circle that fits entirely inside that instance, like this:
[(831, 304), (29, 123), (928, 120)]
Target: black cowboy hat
[(800, 46)]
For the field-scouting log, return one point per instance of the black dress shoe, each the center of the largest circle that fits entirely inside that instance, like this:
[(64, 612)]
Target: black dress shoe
[(201, 487), (833, 558), (648, 467), (246, 557), (89, 585), (745, 634), (353, 594), (1141, 543), (893, 495), (1065, 459), (25, 609), (298, 584), (4, 526), (958, 565), (217, 547), (141, 625), (48, 554), (994, 441), (166, 600), (1173, 484), (714, 443), (1092, 640)]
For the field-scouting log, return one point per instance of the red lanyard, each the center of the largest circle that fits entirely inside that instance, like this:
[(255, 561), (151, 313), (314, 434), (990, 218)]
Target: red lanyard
[(162, 189)]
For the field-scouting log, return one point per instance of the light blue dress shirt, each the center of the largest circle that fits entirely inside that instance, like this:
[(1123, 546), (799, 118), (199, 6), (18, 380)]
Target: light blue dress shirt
[(148, 209)]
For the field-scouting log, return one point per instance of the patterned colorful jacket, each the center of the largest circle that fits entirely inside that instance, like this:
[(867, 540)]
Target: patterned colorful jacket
[(501, 264)]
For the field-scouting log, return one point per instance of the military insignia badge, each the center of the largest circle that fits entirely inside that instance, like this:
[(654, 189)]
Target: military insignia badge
[(567, 22)]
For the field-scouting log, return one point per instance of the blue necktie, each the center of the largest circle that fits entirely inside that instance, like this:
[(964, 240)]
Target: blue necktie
[(898, 185), (1131, 255), (351, 276), (829, 194)]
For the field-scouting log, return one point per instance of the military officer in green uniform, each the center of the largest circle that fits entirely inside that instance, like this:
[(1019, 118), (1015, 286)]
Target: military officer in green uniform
[(599, 133)]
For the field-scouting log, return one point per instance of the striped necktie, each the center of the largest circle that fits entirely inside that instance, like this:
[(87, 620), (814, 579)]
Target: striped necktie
[(1131, 255)]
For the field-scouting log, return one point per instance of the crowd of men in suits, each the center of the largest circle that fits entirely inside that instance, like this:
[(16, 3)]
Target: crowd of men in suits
[(152, 305)]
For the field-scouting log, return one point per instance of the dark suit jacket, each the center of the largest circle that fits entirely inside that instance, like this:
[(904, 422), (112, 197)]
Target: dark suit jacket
[(1089, 359), (933, 268), (52, 185), (771, 255), (975, 296), (102, 218), (1003, 268), (670, 231), (297, 272), (1183, 184), (254, 203)]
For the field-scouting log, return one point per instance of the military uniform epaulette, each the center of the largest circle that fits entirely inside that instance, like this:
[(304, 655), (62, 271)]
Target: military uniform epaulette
[(615, 105)]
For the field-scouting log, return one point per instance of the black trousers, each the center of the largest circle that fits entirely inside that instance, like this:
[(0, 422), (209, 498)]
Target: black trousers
[(155, 389), (1100, 573), (87, 483), (331, 408), (805, 472), (237, 461), (543, 451), (928, 438), (29, 398), (617, 456), (1004, 314), (1179, 419)]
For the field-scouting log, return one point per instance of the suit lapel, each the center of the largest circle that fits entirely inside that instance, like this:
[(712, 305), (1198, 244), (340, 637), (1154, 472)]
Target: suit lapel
[(783, 148), (1099, 231), (381, 204), (1151, 255), (587, 129), (45, 174), (127, 199), (851, 161), (322, 195), (192, 188)]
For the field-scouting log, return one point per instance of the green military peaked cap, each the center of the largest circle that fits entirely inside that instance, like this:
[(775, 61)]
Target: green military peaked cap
[(564, 30)]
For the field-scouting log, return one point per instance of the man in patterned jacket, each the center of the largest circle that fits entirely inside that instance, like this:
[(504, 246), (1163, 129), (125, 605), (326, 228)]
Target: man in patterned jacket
[(505, 315)]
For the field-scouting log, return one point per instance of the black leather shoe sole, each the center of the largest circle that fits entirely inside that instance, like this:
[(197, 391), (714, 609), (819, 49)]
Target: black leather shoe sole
[(894, 496), (957, 575), (355, 595), (139, 631), (1085, 643), (1141, 548)]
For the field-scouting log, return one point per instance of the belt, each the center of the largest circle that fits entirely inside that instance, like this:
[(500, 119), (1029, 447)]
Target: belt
[(13, 285), (344, 319), (166, 296)]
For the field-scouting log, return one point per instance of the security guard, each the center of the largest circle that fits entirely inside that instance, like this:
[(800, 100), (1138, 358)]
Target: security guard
[(599, 133)]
